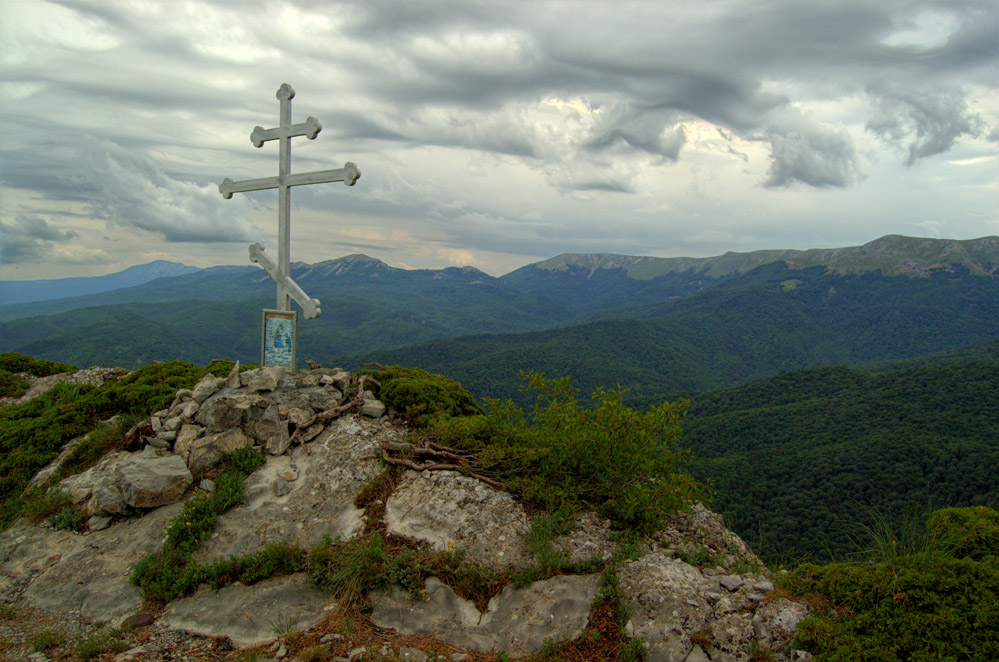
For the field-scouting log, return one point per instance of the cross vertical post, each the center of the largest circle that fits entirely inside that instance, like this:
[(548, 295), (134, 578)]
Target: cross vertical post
[(284, 95)]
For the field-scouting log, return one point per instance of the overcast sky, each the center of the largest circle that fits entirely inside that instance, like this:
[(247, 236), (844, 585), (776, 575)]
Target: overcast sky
[(492, 134)]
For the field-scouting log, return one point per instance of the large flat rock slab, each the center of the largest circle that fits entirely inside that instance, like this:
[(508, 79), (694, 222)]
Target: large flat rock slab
[(517, 621), (251, 615), (301, 497), (27, 550), (445, 508), (92, 574)]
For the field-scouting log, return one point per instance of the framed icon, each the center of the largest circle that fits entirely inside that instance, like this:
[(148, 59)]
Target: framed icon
[(280, 338)]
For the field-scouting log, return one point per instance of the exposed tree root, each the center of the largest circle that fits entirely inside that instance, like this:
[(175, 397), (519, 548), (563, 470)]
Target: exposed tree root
[(438, 458)]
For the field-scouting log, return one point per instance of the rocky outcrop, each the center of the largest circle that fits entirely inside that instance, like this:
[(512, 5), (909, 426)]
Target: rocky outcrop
[(318, 463), (449, 510), (517, 621)]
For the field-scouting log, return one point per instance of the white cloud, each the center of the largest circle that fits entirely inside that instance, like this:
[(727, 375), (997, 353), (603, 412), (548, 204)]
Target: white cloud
[(132, 191)]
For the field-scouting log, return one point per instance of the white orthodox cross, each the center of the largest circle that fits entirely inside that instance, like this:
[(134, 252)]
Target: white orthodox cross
[(348, 174)]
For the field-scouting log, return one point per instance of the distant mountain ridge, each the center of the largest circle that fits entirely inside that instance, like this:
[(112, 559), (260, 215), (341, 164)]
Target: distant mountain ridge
[(893, 255), (27, 291), (373, 307)]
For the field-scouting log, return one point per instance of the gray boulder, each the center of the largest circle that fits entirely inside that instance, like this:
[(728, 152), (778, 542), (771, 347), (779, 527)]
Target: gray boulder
[(518, 621), (231, 411), (153, 478), (207, 451)]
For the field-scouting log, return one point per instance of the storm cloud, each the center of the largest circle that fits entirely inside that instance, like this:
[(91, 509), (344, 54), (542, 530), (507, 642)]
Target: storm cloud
[(497, 133)]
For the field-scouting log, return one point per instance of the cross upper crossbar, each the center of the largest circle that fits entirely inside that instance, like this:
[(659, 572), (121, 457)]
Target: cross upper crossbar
[(349, 174), (283, 133)]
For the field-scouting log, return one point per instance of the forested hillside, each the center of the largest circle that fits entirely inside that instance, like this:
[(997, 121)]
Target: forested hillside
[(801, 459), (771, 319)]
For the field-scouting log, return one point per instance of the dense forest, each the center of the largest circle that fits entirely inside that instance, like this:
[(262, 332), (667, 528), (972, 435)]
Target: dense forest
[(802, 461)]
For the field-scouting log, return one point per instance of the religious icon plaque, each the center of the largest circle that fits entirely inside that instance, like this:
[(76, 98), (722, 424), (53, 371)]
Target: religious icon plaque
[(280, 338)]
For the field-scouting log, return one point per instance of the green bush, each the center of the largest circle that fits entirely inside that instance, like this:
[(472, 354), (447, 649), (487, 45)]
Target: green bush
[(14, 362), (623, 463), (275, 559), (421, 395), (68, 519), (965, 532), (11, 386), (349, 570)]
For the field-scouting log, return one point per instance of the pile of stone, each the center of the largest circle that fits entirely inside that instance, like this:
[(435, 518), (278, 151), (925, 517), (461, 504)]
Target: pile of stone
[(263, 407)]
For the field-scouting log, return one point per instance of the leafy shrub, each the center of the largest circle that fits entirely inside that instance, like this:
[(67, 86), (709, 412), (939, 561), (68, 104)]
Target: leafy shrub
[(623, 463), (68, 519), (14, 362), (422, 396), (275, 559), (247, 459), (965, 532), (11, 386)]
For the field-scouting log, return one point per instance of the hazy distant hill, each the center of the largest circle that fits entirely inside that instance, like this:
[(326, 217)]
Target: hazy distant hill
[(747, 327), (26, 291), (698, 322), (595, 282)]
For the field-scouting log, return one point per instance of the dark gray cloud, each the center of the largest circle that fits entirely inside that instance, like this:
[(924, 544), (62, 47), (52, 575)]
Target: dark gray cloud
[(29, 237), (923, 122)]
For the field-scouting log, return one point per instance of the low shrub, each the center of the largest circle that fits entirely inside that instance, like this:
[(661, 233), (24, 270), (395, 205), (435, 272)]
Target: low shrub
[(68, 519), (422, 396), (14, 362), (940, 604), (965, 532), (11, 385)]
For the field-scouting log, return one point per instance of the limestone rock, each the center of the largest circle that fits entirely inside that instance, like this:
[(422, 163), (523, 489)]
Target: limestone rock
[(153, 478), (208, 451), (265, 379), (80, 487), (517, 621), (656, 590), (231, 411), (189, 432), (189, 409), (271, 431), (321, 500), (442, 507), (777, 622), (91, 574), (232, 380), (373, 408), (249, 614)]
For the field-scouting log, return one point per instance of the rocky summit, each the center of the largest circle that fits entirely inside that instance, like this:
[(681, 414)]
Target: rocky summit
[(695, 592)]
